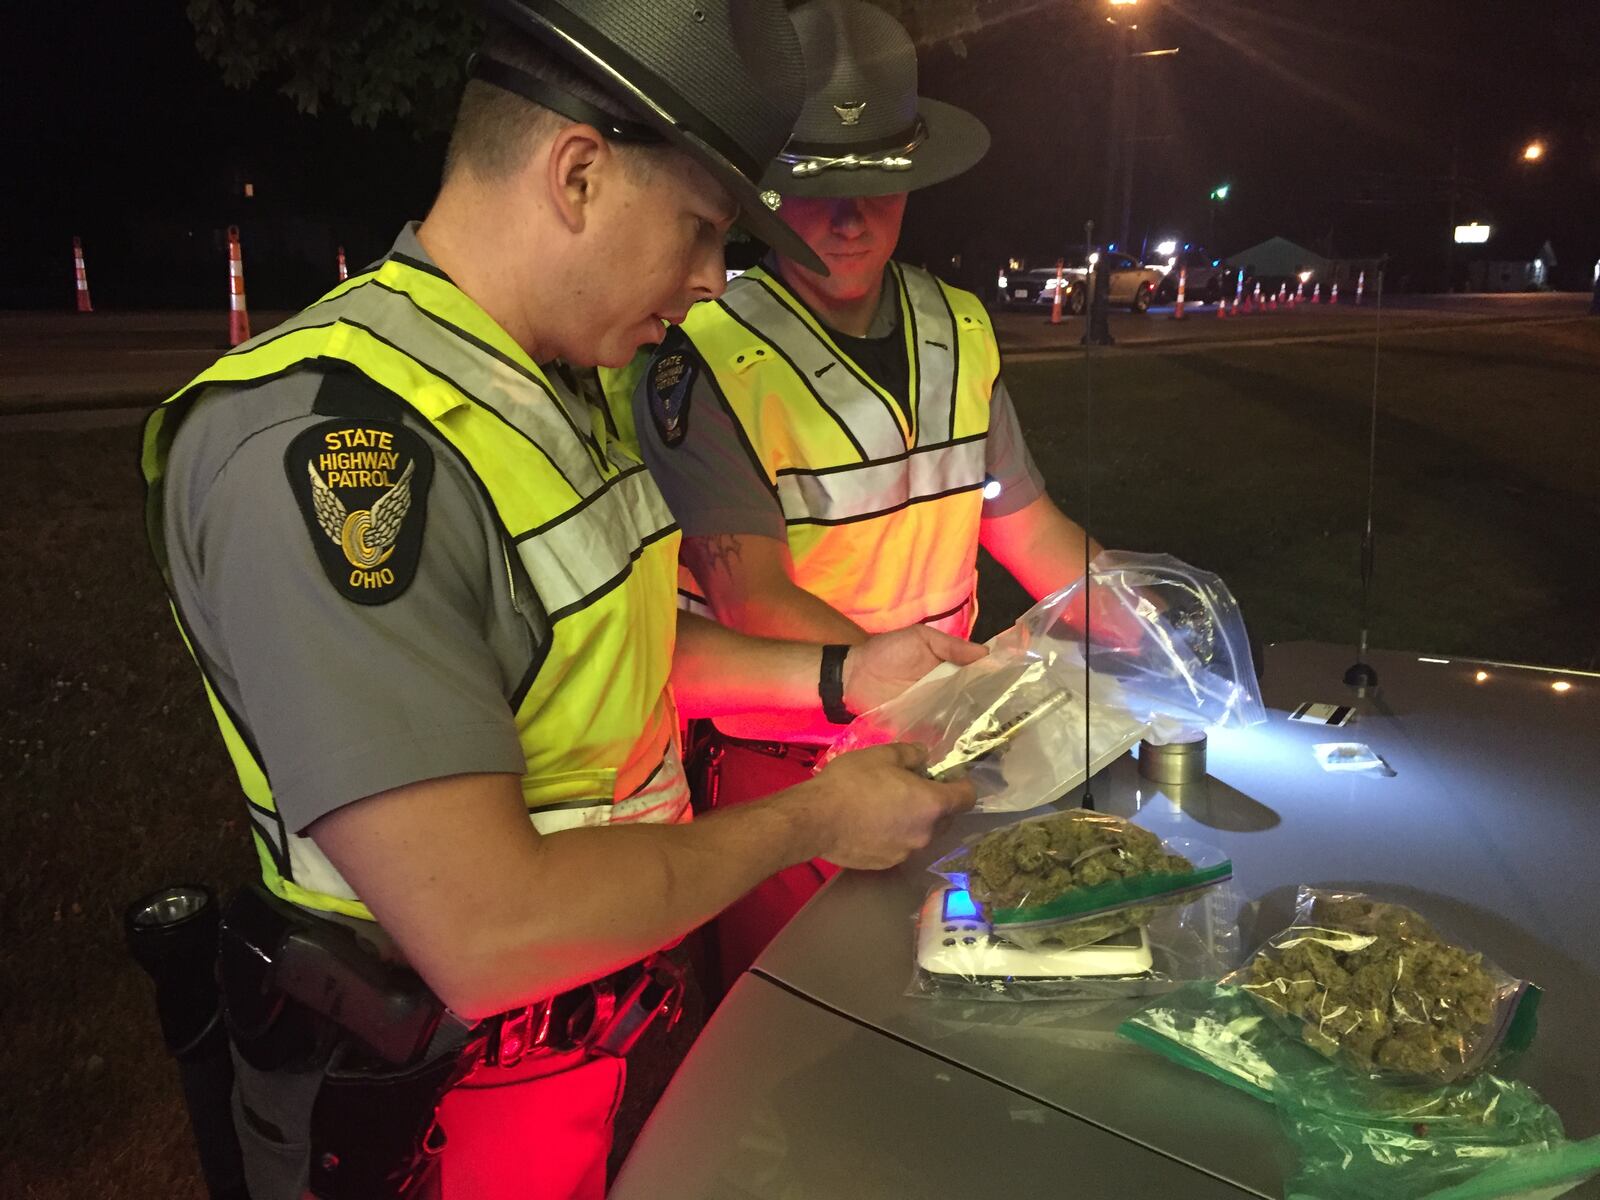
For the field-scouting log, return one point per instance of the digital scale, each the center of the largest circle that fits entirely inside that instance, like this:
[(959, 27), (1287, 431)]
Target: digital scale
[(953, 939)]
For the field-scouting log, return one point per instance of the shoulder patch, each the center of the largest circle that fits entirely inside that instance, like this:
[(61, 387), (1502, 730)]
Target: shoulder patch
[(669, 380), (362, 486)]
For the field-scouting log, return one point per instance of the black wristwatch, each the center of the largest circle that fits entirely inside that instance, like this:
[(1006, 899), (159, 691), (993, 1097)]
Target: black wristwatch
[(831, 686)]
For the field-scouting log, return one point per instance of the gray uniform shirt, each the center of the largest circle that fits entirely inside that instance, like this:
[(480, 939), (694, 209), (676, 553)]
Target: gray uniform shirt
[(714, 486), (340, 699)]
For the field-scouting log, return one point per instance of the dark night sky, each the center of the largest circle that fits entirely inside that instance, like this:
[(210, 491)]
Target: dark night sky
[(1334, 122)]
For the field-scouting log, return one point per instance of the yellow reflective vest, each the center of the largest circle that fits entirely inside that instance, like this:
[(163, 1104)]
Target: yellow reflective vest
[(882, 506), (581, 522)]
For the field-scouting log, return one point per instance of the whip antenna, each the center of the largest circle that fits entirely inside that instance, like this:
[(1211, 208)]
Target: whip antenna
[(1361, 676)]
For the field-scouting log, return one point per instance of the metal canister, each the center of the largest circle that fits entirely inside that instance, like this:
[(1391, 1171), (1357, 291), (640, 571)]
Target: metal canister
[(1174, 763)]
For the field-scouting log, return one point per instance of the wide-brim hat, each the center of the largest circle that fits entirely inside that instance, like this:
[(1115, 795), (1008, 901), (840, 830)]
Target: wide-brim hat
[(722, 80), (863, 130)]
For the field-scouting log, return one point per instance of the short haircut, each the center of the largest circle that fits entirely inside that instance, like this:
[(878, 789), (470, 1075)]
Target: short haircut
[(495, 129)]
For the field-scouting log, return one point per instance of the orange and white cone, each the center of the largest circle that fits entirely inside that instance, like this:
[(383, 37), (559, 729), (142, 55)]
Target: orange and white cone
[(1299, 296), (84, 303), (1055, 305), (344, 271), (1361, 285), (1222, 307), (1316, 294), (1183, 283), (1333, 294), (238, 314), (1256, 303)]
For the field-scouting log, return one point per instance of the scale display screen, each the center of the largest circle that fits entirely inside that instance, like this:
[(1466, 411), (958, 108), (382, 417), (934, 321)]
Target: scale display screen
[(959, 905)]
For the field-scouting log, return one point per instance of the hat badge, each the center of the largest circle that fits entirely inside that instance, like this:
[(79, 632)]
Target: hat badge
[(850, 114)]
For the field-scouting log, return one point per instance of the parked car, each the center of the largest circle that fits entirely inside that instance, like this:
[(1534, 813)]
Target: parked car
[(1132, 283), (1209, 280)]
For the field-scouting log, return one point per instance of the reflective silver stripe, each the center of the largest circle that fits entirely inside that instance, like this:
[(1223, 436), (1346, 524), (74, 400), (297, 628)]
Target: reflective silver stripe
[(938, 355), (443, 350), (698, 605), (310, 869), (587, 550), (857, 492), (266, 825), (867, 415)]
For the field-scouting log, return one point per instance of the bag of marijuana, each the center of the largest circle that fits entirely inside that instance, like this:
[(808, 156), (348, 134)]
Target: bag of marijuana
[(1068, 879), (1374, 984), (1358, 1136)]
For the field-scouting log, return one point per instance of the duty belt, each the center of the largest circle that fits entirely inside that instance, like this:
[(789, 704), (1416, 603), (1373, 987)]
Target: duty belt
[(606, 1016), (800, 753)]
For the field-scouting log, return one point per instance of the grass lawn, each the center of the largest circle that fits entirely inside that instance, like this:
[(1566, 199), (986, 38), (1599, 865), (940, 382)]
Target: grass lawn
[(1247, 461)]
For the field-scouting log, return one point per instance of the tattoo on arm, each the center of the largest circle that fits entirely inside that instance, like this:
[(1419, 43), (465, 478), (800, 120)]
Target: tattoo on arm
[(713, 555)]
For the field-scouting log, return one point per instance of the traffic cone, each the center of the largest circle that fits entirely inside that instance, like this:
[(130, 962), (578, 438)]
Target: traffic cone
[(1316, 294), (1183, 283), (344, 272), (1256, 303), (1222, 307), (1283, 295), (84, 303), (1361, 285), (1055, 305), (1299, 295), (238, 314), (1333, 294)]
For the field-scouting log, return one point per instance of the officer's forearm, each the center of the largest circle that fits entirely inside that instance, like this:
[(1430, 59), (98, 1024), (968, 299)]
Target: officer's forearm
[(749, 582), (716, 671), (1041, 546), (784, 609), (492, 915)]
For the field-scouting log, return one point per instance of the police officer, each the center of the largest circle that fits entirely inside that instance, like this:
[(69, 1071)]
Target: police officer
[(432, 600), (849, 442)]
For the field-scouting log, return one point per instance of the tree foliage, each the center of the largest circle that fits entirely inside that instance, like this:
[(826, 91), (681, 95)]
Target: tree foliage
[(403, 58), (368, 60)]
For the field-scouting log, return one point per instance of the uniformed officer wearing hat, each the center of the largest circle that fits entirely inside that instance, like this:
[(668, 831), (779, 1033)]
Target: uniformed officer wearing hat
[(848, 442), (433, 604)]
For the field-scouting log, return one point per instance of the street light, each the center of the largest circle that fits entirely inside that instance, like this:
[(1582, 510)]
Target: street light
[(1219, 195), (1533, 151)]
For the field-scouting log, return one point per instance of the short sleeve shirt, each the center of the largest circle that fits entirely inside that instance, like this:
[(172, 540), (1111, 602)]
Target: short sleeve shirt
[(714, 483), (341, 699)]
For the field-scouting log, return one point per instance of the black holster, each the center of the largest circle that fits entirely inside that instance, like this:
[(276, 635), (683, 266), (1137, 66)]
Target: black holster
[(302, 993)]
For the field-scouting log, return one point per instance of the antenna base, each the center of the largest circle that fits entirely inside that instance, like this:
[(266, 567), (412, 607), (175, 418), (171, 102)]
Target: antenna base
[(1361, 677)]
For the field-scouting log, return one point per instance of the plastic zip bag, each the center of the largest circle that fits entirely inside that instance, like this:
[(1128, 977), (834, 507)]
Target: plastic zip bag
[(1375, 984), (1196, 941), (1358, 1137), (1167, 656), (1072, 878)]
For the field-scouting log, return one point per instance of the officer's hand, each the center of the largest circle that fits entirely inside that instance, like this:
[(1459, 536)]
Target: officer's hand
[(874, 807), (886, 664)]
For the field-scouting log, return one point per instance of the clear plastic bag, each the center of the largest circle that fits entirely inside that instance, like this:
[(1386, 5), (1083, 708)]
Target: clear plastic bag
[(1167, 655), (1358, 1136), (1373, 983), (1072, 878), (1196, 941), (1357, 1139)]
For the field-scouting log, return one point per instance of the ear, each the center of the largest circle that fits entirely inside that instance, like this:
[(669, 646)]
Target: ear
[(577, 156)]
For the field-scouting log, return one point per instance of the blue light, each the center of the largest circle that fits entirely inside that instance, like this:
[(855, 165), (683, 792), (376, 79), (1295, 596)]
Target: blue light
[(1186, 245), (958, 904), (1113, 246), (1216, 262)]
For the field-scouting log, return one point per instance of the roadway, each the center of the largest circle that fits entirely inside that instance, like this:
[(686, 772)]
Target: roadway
[(64, 369)]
